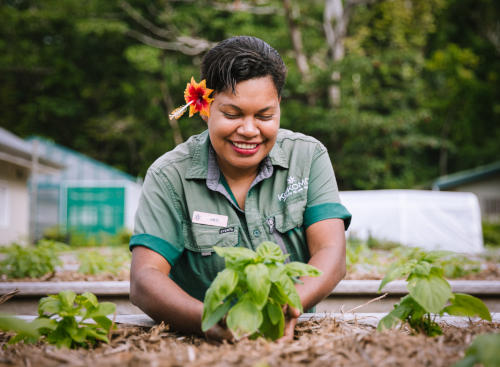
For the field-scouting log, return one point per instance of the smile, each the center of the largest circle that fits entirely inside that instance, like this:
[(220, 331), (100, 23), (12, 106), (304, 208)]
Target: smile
[(245, 146)]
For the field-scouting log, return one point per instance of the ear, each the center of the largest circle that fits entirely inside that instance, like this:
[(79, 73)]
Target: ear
[(205, 118)]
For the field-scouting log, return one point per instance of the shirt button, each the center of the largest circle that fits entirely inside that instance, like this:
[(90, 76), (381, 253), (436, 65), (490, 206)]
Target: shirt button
[(256, 233)]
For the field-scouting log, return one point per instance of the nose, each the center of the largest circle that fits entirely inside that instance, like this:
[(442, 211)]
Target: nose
[(248, 128)]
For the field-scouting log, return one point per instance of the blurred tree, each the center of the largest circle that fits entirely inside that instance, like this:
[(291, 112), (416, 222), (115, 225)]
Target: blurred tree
[(418, 79)]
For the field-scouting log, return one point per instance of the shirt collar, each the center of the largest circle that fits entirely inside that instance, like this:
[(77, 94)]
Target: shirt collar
[(203, 165)]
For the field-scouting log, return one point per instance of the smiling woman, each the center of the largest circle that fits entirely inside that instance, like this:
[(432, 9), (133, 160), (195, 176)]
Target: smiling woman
[(241, 182)]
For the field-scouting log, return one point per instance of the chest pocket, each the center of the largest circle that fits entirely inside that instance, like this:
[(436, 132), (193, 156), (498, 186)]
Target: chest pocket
[(202, 238)]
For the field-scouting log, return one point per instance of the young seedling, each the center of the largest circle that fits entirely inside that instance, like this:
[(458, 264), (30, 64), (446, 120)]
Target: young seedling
[(64, 320), (31, 261), (429, 293), (252, 290)]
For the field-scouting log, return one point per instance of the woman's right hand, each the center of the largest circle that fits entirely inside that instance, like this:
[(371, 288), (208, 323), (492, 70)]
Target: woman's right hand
[(219, 332)]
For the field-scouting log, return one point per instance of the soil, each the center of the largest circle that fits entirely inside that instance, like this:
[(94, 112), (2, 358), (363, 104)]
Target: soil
[(325, 342)]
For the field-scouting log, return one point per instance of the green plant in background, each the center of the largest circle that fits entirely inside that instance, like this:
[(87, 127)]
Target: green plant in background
[(80, 239), (491, 233), (93, 262), (63, 321), (252, 290), (454, 265), (31, 261), (429, 293), (483, 350)]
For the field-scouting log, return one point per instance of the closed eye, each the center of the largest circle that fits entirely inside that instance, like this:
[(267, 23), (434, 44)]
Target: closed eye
[(230, 115), (265, 117)]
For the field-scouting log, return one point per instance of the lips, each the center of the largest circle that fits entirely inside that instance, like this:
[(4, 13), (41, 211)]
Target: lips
[(245, 148), (245, 145)]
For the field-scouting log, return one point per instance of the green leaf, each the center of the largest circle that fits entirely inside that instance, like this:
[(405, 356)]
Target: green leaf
[(422, 268), (244, 318), (483, 350), (275, 271), (19, 326), (98, 334), (467, 305), (223, 285), (258, 283), (88, 300), (431, 292), (468, 361), (209, 319), (277, 294), (236, 257), (270, 329), (67, 299), (397, 271), (103, 322), (298, 269), (275, 312), (44, 324), (290, 291), (400, 312), (104, 309), (49, 305), (271, 252)]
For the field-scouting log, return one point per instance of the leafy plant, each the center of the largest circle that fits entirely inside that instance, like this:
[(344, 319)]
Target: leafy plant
[(484, 350), (252, 290), (94, 262), (491, 233), (454, 265), (429, 293), (63, 321), (32, 261)]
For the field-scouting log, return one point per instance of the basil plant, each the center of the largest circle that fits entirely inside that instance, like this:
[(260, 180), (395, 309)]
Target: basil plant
[(252, 290)]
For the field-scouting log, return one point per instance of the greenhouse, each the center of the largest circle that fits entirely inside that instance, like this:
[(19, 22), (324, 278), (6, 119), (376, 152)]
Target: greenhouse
[(86, 196)]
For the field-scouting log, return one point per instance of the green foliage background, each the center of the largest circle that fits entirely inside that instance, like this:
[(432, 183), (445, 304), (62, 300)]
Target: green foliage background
[(419, 79)]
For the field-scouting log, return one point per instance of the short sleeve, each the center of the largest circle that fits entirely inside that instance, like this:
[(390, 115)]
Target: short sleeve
[(158, 223), (323, 200)]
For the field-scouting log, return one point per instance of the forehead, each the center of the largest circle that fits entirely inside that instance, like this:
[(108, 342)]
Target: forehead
[(250, 92)]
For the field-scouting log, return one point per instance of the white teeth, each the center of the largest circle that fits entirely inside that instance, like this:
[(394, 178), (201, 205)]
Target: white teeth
[(245, 146)]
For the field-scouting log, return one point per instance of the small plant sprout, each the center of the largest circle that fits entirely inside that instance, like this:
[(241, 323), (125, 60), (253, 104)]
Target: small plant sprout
[(429, 294), (64, 320), (252, 290)]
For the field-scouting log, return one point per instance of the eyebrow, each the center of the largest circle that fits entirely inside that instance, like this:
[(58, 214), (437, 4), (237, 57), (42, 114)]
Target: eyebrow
[(239, 109)]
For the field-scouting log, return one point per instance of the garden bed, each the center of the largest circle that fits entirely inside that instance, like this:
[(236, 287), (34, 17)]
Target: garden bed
[(321, 342)]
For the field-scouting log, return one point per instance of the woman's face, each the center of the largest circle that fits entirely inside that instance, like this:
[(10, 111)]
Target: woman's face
[(243, 126)]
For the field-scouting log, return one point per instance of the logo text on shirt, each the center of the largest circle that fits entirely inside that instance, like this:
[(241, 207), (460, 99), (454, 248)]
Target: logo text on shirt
[(295, 185)]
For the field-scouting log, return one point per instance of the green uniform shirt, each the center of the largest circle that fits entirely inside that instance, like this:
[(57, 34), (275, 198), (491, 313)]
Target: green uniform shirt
[(186, 206)]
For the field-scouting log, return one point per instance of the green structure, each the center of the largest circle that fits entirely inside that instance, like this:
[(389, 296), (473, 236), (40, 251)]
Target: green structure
[(87, 196)]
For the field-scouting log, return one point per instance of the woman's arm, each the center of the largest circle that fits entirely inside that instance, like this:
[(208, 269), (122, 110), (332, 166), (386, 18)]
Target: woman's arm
[(326, 242), (152, 290)]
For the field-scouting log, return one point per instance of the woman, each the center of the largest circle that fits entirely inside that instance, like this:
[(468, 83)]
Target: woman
[(241, 182)]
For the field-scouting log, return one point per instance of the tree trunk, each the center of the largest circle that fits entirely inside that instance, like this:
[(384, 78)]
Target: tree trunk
[(169, 106), (296, 36), (335, 21)]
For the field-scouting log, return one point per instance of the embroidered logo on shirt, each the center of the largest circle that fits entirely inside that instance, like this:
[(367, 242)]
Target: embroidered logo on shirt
[(226, 230), (294, 186)]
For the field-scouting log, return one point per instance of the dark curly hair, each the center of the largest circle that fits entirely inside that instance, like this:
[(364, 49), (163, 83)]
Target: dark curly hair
[(242, 58)]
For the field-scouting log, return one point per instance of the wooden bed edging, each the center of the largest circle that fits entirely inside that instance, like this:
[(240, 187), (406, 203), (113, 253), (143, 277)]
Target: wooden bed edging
[(360, 318), (345, 287)]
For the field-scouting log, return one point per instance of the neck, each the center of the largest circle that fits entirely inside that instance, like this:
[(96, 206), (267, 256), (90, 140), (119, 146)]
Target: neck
[(237, 174)]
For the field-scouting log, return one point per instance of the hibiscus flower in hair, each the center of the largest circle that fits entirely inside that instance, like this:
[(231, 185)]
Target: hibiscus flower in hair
[(197, 99)]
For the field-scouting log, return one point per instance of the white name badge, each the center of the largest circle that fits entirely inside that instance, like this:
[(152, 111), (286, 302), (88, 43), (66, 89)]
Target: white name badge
[(210, 219)]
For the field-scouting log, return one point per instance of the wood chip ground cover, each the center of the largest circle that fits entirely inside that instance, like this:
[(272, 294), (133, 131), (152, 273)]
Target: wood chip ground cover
[(325, 342)]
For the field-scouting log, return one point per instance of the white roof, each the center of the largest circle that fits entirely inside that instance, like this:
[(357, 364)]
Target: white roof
[(17, 151)]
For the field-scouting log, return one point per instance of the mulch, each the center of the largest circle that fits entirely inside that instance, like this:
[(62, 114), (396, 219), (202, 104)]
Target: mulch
[(325, 342)]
